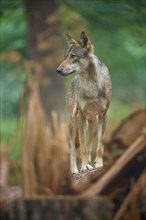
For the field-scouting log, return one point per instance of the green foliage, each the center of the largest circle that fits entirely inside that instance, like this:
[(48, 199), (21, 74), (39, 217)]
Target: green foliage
[(9, 6), (11, 136), (110, 14), (13, 52), (11, 89), (6, 129), (13, 26)]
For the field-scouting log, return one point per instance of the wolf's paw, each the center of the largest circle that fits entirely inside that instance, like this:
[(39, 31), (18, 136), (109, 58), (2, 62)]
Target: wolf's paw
[(86, 167), (75, 171), (98, 162), (74, 168)]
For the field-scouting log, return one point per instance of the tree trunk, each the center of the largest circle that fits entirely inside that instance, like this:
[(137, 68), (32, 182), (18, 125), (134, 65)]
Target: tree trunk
[(44, 47)]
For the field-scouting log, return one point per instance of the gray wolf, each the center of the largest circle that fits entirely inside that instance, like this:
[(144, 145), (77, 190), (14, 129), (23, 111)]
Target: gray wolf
[(88, 100)]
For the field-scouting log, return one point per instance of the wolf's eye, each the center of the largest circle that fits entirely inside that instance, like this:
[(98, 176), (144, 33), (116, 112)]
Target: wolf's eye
[(72, 56)]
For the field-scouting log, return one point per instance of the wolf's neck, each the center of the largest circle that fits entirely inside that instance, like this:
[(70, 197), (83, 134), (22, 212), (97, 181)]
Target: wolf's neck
[(92, 72)]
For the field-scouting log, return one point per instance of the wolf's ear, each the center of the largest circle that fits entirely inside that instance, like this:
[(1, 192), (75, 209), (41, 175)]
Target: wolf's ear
[(85, 42), (83, 39), (70, 40)]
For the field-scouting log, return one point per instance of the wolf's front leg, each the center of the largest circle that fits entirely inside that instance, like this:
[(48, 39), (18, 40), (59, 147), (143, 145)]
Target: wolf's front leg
[(73, 162), (100, 147), (81, 122), (72, 136), (92, 128)]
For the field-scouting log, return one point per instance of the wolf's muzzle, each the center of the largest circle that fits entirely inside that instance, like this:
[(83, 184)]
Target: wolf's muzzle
[(59, 70)]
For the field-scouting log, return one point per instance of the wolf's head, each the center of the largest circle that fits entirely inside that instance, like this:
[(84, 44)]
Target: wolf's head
[(76, 56)]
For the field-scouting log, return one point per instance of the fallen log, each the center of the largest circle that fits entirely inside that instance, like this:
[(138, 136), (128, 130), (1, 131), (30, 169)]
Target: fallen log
[(129, 130), (129, 204), (134, 159)]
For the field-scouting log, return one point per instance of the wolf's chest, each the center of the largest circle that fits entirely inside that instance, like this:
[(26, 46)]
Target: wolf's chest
[(92, 107), (91, 98)]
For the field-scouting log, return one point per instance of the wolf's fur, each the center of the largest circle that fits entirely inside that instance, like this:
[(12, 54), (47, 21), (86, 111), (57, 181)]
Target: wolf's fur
[(88, 99)]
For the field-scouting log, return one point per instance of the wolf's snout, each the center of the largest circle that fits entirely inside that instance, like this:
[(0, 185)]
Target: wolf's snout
[(59, 70)]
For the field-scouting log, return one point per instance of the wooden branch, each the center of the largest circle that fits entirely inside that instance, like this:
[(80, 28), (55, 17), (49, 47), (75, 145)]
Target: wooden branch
[(115, 170), (128, 200)]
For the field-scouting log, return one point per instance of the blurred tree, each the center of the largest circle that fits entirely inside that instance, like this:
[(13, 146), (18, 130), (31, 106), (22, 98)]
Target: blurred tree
[(44, 46)]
